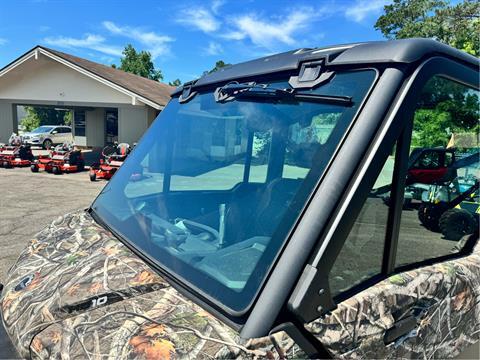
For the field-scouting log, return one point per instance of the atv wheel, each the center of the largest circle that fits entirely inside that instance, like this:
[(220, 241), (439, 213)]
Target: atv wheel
[(456, 223), (93, 176), (6, 165), (429, 214), (421, 213), (56, 170), (34, 168), (47, 144)]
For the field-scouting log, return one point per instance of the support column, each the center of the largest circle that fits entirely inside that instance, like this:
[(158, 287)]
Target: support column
[(6, 120), (132, 123), (15, 118)]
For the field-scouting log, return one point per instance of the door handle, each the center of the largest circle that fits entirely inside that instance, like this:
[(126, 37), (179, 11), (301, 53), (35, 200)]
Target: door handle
[(400, 328)]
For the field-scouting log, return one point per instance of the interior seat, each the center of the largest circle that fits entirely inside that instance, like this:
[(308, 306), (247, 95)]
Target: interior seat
[(257, 210)]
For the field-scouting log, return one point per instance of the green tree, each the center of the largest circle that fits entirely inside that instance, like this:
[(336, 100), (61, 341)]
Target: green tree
[(457, 25), (31, 120), (37, 116), (175, 82), (445, 107), (218, 65), (68, 118), (139, 63)]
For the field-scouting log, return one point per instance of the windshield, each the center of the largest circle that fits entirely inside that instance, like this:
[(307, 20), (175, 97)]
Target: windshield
[(42, 129), (213, 189)]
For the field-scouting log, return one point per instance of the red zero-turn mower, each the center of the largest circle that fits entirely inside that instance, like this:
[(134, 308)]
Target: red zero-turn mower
[(43, 161), (64, 159), (16, 153), (113, 158)]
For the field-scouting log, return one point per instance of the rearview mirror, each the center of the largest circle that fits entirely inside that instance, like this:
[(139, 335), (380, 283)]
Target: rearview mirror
[(54, 132)]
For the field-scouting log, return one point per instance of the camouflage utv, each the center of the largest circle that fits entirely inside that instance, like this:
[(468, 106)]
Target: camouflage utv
[(246, 224)]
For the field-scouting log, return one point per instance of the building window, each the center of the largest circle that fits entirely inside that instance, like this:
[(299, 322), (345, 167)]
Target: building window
[(111, 126), (79, 121)]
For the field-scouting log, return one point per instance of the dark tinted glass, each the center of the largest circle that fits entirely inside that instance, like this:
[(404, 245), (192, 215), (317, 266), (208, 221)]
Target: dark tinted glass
[(362, 254), (441, 197)]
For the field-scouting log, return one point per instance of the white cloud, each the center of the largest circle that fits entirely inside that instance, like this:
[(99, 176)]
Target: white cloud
[(213, 48), (199, 18), (3, 41), (234, 35), (363, 8), (89, 41), (216, 5), (266, 33), (156, 44)]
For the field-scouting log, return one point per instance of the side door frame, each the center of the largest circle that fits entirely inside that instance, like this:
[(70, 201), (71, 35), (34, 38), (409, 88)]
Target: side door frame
[(312, 298)]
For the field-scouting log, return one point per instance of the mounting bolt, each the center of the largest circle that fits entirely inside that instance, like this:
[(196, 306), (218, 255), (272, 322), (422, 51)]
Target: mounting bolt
[(319, 308), (321, 291)]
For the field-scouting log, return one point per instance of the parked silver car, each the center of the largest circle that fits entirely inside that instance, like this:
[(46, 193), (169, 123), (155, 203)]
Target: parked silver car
[(48, 135)]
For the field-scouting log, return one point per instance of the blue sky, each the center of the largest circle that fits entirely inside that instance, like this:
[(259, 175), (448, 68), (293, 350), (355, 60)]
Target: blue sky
[(184, 37)]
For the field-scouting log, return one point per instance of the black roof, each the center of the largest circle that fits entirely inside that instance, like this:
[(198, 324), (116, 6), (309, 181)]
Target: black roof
[(404, 51)]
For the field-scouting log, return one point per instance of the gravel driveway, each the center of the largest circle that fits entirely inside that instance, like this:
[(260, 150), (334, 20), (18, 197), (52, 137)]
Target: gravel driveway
[(29, 202)]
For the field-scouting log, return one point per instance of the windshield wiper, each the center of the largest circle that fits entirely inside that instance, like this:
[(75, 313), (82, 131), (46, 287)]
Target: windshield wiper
[(233, 91)]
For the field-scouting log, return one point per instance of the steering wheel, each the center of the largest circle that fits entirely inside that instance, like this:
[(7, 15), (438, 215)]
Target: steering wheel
[(200, 231), (172, 234)]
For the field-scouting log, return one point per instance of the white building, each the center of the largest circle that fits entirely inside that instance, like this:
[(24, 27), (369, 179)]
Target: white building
[(108, 104)]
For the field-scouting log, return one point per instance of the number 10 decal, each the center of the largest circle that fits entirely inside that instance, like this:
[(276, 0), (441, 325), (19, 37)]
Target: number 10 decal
[(99, 301)]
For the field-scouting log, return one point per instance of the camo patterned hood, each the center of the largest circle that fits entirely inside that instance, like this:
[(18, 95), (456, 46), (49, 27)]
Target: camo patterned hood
[(77, 291)]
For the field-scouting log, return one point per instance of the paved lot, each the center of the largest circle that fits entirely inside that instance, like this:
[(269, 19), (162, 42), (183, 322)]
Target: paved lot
[(29, 202)]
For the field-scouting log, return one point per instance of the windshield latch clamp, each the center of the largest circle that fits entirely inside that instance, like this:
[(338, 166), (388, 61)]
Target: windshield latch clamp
[(187, 93), (310, 75)]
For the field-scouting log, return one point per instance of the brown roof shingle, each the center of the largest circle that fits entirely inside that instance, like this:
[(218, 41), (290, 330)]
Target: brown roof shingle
[(155, 91)]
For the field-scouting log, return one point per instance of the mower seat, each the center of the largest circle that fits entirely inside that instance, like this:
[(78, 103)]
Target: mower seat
[(25, 153), (73, 157)]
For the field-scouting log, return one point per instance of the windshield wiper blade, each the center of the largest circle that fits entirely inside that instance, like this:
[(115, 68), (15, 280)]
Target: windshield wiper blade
[(235, 91)]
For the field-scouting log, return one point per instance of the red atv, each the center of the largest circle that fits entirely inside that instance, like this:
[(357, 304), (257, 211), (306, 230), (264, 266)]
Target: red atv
[(63, 159), (113, 158), (15, 154), (431, 165)]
